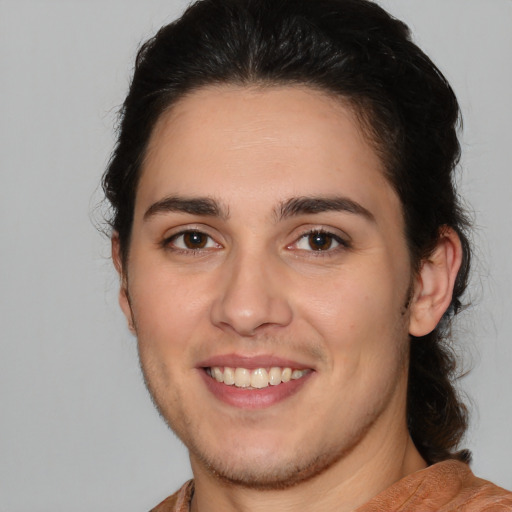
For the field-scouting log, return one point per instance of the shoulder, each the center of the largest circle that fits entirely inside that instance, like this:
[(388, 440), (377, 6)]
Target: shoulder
[(448, 486), (481, 495), (177, 502)]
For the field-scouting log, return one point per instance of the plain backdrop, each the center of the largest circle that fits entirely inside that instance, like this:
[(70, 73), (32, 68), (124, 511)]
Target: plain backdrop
[(77, 429)]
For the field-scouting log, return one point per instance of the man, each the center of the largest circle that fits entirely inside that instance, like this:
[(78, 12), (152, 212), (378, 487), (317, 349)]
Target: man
[(291, 250)]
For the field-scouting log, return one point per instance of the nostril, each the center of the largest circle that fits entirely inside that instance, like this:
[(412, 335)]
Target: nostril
[(249, 299)]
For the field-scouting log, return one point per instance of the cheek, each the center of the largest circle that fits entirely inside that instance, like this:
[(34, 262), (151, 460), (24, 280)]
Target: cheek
[(359, 315), (169, 311), (168, 308), (347, 304)]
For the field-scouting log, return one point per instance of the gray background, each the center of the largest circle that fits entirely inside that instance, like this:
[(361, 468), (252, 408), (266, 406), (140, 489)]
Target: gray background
[(77, 429)]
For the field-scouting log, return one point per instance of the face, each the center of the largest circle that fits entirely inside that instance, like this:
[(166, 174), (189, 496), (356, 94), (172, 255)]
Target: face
[(266, 282)]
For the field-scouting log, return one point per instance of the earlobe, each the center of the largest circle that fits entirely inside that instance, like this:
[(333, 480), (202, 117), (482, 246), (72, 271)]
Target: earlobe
[(124, 299), (434, 283)]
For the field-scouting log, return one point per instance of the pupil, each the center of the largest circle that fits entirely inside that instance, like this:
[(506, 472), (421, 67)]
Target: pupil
[(194, 240), (320, 241)]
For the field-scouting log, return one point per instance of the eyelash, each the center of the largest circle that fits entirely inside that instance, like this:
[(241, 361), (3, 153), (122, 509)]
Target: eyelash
[(343, 243), (169, 243)]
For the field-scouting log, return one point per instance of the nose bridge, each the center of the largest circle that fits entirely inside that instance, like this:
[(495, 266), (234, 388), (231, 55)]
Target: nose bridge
[(252, 293)]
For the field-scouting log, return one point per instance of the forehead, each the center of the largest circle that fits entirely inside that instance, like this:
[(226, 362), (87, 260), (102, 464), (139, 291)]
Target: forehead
[(264, 144)]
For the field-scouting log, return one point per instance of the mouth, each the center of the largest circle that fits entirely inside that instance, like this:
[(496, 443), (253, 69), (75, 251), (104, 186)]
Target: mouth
[(254, 382), (257, 378)]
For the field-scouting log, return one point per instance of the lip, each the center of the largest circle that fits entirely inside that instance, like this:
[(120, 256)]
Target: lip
[(244, 398), (252, 362)]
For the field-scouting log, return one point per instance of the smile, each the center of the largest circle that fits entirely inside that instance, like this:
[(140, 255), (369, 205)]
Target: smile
[(257, 378)]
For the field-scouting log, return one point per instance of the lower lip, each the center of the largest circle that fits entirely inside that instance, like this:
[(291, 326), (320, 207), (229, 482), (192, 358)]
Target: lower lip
[(245, 398)]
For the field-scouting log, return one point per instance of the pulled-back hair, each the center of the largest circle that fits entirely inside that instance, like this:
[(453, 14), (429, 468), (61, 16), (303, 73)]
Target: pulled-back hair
[(356, 51)]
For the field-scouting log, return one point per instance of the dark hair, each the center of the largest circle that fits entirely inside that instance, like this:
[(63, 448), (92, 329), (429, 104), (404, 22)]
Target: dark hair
[(354, 50)]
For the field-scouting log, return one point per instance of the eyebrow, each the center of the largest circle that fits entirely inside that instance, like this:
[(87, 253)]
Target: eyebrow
[(206, 206), (202, 206), (308, 205)]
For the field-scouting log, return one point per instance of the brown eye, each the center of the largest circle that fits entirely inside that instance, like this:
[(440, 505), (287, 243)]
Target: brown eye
[(320, 241), (195, 240), (191, 241)]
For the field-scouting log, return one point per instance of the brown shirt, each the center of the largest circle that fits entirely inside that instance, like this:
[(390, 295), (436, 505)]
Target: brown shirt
[(448, 486)]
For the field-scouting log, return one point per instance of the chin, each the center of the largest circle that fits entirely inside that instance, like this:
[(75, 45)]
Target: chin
[(268, 470)]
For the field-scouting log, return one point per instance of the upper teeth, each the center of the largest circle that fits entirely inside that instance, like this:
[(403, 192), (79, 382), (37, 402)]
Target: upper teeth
[(257, 378)]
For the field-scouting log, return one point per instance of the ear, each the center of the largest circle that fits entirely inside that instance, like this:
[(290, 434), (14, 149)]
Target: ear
[(434, 284), (124, 299)]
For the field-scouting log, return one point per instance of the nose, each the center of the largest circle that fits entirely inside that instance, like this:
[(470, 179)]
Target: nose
[(252, 296)]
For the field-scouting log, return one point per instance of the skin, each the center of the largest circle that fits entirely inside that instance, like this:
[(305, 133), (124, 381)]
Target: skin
[(258, 286)]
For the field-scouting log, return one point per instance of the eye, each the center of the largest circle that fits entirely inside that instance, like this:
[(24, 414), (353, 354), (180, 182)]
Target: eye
[(191, 241), (319, 241)]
